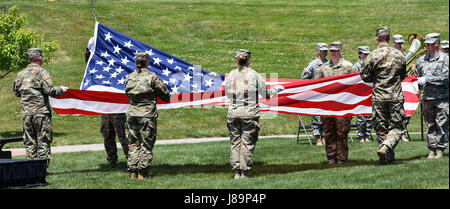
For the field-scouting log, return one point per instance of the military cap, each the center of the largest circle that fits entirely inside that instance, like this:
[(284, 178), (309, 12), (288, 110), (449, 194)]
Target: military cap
[(444, 44), (432, 37), (337, 45), (34, 52), (383, 30), (322, 46), (243, 52), (363, 49), (141, 56), (398, 39)]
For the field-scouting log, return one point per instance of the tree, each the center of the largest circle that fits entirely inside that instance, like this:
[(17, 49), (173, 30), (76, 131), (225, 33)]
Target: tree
[(15, 40)]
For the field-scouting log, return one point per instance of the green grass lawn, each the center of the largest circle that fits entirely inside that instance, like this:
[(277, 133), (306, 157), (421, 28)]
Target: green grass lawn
[(279, 163), (280, 34)]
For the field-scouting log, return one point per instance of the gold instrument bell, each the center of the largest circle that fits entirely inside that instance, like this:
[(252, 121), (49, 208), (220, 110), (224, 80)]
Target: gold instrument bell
[(416, 50)]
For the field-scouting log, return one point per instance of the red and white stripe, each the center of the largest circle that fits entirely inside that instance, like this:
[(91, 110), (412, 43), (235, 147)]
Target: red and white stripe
[(337, 96)]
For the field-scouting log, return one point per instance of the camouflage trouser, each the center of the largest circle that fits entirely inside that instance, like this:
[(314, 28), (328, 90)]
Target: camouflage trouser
[(111, 125), (388, 124), (336, 133), (405, 124), (141, 134), (363, 125), (243, 136), (38, 134), (316, 126), (435, 113)]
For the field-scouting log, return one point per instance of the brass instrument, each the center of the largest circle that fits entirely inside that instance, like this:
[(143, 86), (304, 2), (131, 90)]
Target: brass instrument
[(416, 50)]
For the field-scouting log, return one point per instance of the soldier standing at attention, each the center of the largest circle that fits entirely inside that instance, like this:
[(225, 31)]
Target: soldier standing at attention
[(336, 128), (433, 71), (143, 88), (33, 85), (398, 44), (310, 73), (444, 46), (363, 122), (110, 124), (242, 87), (385, 67)]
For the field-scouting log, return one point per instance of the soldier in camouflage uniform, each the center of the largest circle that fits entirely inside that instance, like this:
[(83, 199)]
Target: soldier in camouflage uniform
[(143, 88), (33, 85), (242, 87), (310, 73), (433, 71), (385, 67), (363, 122), (110, 125), (444, 46), (336, 128), (398, 41)]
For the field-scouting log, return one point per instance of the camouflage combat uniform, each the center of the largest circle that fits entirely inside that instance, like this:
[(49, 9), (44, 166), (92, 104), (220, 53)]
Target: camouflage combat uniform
[(143, 88), (112, 125), (385, 67), (336, 128), (242, 87), (363, 122), (33, 85), (310, 72), (435, 97)]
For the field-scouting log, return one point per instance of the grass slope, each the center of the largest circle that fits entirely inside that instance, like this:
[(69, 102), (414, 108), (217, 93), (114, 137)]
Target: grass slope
[(279, 163), (280, 34)]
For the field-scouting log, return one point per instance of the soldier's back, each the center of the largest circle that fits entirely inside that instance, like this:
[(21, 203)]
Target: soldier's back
[(142, 95), (28, 86), (388, 69)]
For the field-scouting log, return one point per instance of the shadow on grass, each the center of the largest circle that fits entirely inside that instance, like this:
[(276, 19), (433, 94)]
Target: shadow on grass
[(259, 168), (7, 134)]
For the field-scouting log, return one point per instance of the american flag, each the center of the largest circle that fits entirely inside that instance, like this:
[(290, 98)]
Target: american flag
[(102, 88), (114, 58)]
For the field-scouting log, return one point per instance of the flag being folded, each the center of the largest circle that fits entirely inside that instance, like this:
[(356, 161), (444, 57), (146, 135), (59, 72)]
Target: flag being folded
[(338, 96), (102, 87)]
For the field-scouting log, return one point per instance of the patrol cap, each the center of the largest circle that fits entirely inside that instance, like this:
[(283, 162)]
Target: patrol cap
[(141, 56), (34, 52), (444, 44), (336, 45), (363, 49), (432, 37), (243, 52), (382, 30), (398, 39), (322, 46)]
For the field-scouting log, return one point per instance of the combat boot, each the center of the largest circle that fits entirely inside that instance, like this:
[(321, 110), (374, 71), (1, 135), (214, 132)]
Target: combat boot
[(134, 176), (142, 175), (323, 141), (244, 175), (332, 161), (112, 165), (319, 141), (404, 138), (363, 139), (439, 153), (432, 154), (367, 139), (383, 154), (237, 174)]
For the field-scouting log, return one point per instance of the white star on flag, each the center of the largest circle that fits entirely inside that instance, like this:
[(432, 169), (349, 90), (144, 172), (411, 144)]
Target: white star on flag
[(108, 37), (117, 49), (128, 44)]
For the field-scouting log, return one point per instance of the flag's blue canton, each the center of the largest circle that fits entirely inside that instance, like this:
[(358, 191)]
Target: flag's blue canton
[(114, 59)]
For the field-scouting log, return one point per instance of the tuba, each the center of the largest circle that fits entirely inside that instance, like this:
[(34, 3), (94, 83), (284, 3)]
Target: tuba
[(416, 50)]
